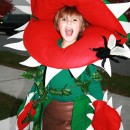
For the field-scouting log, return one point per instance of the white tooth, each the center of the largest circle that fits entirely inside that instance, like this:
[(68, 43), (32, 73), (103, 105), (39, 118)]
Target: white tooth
[(121, 127), (90, 116), (111, 42), (28, 1), (50, 73), (91, 98), (107, 65), (17, 46), (91, 105), (29, 97), (119, 8), (126, 26), (110, 102), (77, 71), (18, 35), (119, 110), (31, 62), (105, 97), (90, 128), (25, 9), (22, 27)]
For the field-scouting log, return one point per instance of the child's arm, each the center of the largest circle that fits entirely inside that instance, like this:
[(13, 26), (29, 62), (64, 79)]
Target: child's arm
[(94, 87)]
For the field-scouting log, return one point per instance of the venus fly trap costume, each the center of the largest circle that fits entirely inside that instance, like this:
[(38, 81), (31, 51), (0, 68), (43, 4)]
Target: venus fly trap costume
[(66, 76)]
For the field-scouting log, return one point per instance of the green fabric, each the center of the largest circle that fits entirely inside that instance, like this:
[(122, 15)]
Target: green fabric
[(80, 121), (38, 124), (65, 79)]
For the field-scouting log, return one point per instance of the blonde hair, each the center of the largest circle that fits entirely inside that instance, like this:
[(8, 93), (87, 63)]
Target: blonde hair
[(69, 11)]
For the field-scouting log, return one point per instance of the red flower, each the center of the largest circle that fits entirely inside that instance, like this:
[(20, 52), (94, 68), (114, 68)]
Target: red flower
[(105, 117), (27, 109)]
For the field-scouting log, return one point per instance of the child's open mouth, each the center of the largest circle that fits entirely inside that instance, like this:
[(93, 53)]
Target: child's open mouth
[(69, 32)]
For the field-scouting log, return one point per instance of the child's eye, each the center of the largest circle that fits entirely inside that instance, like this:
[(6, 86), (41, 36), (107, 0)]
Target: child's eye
[(75, 20), (63, 19)]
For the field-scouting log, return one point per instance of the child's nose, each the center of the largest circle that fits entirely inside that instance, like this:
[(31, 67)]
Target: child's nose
[(69, 22)]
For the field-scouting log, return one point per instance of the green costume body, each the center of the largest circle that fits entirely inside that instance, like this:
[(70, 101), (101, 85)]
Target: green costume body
[(65, 80), (64, 87)]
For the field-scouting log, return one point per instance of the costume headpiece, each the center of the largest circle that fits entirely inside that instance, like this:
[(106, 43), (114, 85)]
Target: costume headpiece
[(40, 36)]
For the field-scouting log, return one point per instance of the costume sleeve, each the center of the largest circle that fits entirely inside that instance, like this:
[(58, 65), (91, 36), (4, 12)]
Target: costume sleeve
[(34, 89), (94, 87)]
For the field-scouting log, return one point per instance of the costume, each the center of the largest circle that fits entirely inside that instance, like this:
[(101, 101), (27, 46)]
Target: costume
[(63, 88), (98, 43)]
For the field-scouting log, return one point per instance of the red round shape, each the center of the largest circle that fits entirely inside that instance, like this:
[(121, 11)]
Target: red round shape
[(40, 37), (105, 117)]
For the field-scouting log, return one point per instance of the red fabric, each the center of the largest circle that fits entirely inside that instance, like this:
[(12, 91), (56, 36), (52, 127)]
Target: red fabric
[(40, 37), (23, 115), (105, 117)]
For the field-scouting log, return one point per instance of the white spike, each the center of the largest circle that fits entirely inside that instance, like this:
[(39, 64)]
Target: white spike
[(121, 127), (91, 105), (29, 97), (28, 1), (119, 8), (107, 66), (77, 71), (31, 62), (105, 97), (91, 98), (110, 103), (25, 9), (18, 35), (17, 46), (90, 128), (119, 110), (50, 73), (90, 116), (22, 27), (126, 26)]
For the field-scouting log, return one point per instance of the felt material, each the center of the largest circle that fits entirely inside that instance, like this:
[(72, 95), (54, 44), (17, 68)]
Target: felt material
[(80, 121), (105, 117), (40, 37)]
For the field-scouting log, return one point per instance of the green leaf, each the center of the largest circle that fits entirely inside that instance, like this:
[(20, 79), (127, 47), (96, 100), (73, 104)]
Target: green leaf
[(66, 92), (97, 76)]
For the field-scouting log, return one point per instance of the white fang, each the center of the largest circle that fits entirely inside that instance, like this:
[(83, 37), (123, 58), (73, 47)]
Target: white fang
[(91, 98), (118, 9), (25, 9), (90, 128), (105, 97), (18, 35), (126, 26), (29, 97), (121, 127), (110, 102), (119, 110), (16, 46), (28, 1), (22, 27), (30, 62), (90, 116), (77, 71), (50, 73)]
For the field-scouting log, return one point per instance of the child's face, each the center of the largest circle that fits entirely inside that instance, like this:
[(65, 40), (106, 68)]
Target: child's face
[(69, 27)]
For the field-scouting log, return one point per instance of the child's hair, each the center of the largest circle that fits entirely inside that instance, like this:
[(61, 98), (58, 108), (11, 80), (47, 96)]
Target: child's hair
[(69, 11)]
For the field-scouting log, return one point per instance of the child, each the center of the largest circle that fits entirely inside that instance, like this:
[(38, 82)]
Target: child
[(66, 105)]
